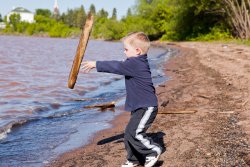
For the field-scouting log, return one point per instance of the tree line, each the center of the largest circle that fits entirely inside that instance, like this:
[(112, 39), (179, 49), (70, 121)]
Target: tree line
[(160, 19)]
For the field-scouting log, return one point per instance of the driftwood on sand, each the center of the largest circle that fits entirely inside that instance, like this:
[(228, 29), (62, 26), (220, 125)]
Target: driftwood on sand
[(178, 112), (80, 51), (102, 106)]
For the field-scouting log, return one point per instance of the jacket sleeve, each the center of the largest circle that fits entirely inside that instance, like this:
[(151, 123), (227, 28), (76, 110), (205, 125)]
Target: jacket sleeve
[(116, 67)]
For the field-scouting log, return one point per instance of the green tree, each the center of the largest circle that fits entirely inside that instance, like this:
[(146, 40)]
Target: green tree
[(69, 18), (196, 17), (22, 26), (74, 17), (5, 19), (142, 19), (129, 12), (41, 19), (92, 9), (81, 17), (162, 17), (59, 30), (63, 18), (1, 19), (42, 24), (114, 14), (102, 13), (108, 29), (31, 29), (8, 28), (14, 19), (178, 19), (43, 12)]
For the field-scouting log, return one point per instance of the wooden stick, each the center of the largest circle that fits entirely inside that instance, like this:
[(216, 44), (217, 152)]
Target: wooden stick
[(204, 96), (80, 51), (225, 112), (179, 112), (102, 106), (244, 103)]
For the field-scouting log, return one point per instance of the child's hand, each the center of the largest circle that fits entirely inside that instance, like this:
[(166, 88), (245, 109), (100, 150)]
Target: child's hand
[(88, 65)]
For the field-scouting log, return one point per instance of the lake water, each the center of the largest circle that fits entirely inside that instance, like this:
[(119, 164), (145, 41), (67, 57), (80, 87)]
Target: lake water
[(40, 118)]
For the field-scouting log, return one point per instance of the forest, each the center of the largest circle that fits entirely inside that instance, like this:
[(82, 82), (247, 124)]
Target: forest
[(166, 20)]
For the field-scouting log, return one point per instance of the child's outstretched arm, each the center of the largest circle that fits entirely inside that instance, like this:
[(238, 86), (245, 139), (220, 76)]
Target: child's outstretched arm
[(88, 65), (116, 67)]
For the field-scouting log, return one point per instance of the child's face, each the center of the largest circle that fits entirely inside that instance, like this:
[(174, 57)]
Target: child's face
[(131, 51)]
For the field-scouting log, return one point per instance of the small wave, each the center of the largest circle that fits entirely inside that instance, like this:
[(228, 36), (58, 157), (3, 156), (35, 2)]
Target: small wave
[(3, 135), (40, 115), (7, 128), (64, 114), (87, 99), (42, 108)]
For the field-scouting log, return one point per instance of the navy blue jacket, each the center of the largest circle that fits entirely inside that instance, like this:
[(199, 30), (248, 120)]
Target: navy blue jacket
[(138, 81)]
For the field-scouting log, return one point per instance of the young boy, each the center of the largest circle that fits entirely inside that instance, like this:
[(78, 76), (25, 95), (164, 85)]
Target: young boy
[(141, 99)]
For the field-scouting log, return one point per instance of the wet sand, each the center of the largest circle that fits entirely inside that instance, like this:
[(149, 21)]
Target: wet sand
[(210, 78)]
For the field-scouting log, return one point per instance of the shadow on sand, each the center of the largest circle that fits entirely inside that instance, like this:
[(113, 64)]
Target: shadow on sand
[(157, 138)]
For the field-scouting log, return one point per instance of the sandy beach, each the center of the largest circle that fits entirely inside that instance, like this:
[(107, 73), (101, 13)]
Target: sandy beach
[(209, 78)]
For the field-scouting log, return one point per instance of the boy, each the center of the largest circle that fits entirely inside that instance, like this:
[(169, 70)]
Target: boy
[(141, 99)]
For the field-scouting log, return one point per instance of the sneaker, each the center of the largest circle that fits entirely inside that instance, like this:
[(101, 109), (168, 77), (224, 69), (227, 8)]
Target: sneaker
[(129, 164), (150, 161)]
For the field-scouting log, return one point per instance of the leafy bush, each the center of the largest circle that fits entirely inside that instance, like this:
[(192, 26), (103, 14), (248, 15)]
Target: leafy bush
[(216, 33), (31, 29), (59, 30), (108, 29)]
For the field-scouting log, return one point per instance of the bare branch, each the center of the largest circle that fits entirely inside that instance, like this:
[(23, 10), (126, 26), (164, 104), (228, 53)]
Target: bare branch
[(238, 13)]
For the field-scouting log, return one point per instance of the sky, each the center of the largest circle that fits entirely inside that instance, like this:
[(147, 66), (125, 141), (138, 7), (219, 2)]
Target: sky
[(121, 5)]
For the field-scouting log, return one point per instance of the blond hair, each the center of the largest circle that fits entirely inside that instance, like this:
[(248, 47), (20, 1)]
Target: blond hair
[(138, 40)]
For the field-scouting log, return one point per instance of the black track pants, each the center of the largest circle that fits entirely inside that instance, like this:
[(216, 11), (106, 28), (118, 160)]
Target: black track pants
[(137, 143)]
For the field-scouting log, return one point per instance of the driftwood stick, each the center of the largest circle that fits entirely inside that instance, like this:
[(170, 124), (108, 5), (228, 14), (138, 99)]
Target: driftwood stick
[(80, 51), (203, 96), (184, 70), (244, 103), (179, 112), (226, 112), (102, 106)]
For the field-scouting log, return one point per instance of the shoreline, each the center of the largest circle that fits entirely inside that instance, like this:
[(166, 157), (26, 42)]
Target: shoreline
[(202, 80), (96, 143)]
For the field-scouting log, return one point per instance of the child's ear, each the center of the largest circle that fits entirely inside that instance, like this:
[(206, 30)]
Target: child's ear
[(138, 51)]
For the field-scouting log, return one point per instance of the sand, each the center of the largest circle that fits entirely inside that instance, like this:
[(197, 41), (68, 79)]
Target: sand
[(210, 78)]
